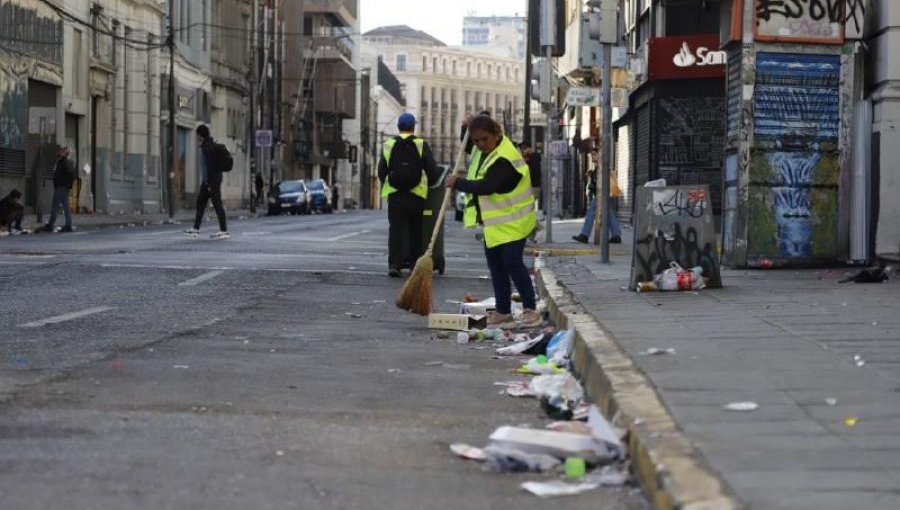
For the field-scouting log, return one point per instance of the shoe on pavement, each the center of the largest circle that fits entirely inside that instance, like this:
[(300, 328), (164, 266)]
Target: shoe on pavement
[(67, 229), (46, 228), (581, 238), (500, 320), (395, 273), (192, 231), (530, 319), (17, 232), (615, 240), (220, 235)]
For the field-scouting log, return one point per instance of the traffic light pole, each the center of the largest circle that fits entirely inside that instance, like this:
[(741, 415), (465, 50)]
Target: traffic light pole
[(547, 183), (606, 151)]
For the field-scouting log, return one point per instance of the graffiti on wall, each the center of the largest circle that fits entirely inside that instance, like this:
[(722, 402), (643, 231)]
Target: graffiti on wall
[(809, 20), (795, 164), (13, 109), (674, 224)]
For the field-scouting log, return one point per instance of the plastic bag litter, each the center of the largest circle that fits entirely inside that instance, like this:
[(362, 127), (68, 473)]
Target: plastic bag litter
[(502, 459), (468, 452), (560, 347), (742, 407), (558, 488), (607, 476), (678, 278), (555, 444), (558, 385), (571, 427), (558, 408), (603, 431), (540, 365), (520, 347)]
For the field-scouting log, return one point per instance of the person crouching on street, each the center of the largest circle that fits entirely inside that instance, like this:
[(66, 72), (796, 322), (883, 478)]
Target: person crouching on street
[(210, 185), (11, 213), (505, 208)]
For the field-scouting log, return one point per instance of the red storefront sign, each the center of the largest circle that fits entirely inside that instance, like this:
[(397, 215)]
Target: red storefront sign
[(686, 57)]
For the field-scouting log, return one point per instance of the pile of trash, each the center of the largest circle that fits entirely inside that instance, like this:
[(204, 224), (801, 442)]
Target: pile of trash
[(579, 444)]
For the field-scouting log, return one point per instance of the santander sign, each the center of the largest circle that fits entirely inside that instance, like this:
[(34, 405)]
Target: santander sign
[(703, 57)]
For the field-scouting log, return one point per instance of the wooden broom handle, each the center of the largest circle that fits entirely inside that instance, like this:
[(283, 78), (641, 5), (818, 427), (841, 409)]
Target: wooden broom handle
[(449, 192)]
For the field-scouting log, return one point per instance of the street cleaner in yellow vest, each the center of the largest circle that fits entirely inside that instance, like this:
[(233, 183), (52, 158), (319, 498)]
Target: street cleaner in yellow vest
[(504, 205), (406, 170)]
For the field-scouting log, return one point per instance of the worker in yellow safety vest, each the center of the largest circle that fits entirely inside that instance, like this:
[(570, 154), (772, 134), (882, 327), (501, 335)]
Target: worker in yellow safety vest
[(406, 169), (504, 206)]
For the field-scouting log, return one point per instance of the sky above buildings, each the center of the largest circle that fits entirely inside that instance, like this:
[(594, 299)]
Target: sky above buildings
[(440, 18)]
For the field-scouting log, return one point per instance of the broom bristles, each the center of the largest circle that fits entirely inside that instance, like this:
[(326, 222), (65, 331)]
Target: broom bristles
[(415, 296)]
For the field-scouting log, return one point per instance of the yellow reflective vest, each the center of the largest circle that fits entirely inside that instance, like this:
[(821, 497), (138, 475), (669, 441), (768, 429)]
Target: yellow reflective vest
[(470, 213), (421, 189), (507, 217)]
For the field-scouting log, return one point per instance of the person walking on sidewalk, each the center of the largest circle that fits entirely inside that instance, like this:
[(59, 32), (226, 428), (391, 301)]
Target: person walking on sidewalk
[(212, 165), (11, 213), (504, 205), (406, 170), (615, 229), (63, 179), (258, 184)]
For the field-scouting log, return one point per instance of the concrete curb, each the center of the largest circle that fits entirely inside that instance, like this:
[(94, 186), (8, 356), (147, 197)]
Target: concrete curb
[(532, 251), (669, 468)]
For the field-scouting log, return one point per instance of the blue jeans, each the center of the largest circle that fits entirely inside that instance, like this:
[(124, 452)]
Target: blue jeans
[(615, 230), (60, 199), (506, 263)]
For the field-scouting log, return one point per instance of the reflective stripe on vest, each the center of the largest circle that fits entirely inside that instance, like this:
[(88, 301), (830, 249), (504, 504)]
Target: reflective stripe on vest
[(421, 189), (470, 213), (508, 217)]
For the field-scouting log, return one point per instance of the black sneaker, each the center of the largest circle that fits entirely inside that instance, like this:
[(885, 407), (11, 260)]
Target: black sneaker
[(395, 273), (615, 240), (67, 229), (46, 228), (581, 238)]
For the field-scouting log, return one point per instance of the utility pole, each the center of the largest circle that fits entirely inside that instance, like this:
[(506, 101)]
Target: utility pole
[(254, 86), (548, 43), (172, 112), (526, 133)]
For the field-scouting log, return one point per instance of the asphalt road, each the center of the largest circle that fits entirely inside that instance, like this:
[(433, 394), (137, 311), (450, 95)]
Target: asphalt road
[(143, 369)]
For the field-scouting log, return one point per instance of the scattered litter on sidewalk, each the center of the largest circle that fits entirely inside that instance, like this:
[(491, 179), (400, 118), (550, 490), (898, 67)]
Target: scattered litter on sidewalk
[(393, 370), (556, 444), (517, 389), (559, 349), (850, 421), (378, 301), (656, 351), (860, 362), (508, 459), (831, 401), (354, 315), (540, 365), (742, 406), (181, 366), (678, 278), (558, 488), (575, 468), (558, 385), (608, 476), (279, 453), (356, 303), (525, 346), (603, 430), (571, 427), (468, 452)]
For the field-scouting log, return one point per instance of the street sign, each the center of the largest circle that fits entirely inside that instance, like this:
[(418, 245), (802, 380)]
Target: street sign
[(583, 96), (263, 137), (559, 149)]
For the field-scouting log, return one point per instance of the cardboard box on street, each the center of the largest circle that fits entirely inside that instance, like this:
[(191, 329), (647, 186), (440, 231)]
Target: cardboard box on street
[(456, 321)]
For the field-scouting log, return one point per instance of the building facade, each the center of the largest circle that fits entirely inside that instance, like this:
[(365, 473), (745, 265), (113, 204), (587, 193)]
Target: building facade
[(503, 35), (320, 90), (441, 84)]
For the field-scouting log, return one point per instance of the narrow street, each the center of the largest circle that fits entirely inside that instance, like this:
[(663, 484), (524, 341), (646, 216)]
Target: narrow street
[(140, 368)]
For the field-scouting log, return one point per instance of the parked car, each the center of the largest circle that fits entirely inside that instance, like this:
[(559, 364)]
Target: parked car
[(292, 197), (320, 196)]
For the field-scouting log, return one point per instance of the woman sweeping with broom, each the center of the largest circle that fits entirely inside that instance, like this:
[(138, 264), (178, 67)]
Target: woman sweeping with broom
[(505, 207)]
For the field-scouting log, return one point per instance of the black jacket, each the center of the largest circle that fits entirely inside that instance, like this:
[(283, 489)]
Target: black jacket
[(213, 168), (64, 173)]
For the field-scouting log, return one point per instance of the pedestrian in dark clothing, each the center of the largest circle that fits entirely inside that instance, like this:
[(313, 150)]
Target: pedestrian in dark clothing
[(210, 184), (63, 179), (11, 212), (258, 183), (406, 170), (335, 196)]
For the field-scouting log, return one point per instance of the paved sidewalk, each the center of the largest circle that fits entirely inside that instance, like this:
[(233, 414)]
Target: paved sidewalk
[(98, 221), (785, 339)]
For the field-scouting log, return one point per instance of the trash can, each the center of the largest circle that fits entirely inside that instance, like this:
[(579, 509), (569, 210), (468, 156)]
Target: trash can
[(432, 207)]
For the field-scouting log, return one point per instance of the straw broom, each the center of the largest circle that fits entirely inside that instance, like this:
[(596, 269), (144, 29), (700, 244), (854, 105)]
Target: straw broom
[(415, 296)]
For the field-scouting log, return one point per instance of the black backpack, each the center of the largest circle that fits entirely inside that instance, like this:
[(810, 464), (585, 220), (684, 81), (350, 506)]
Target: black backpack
[(223, 157), (406, 165)]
